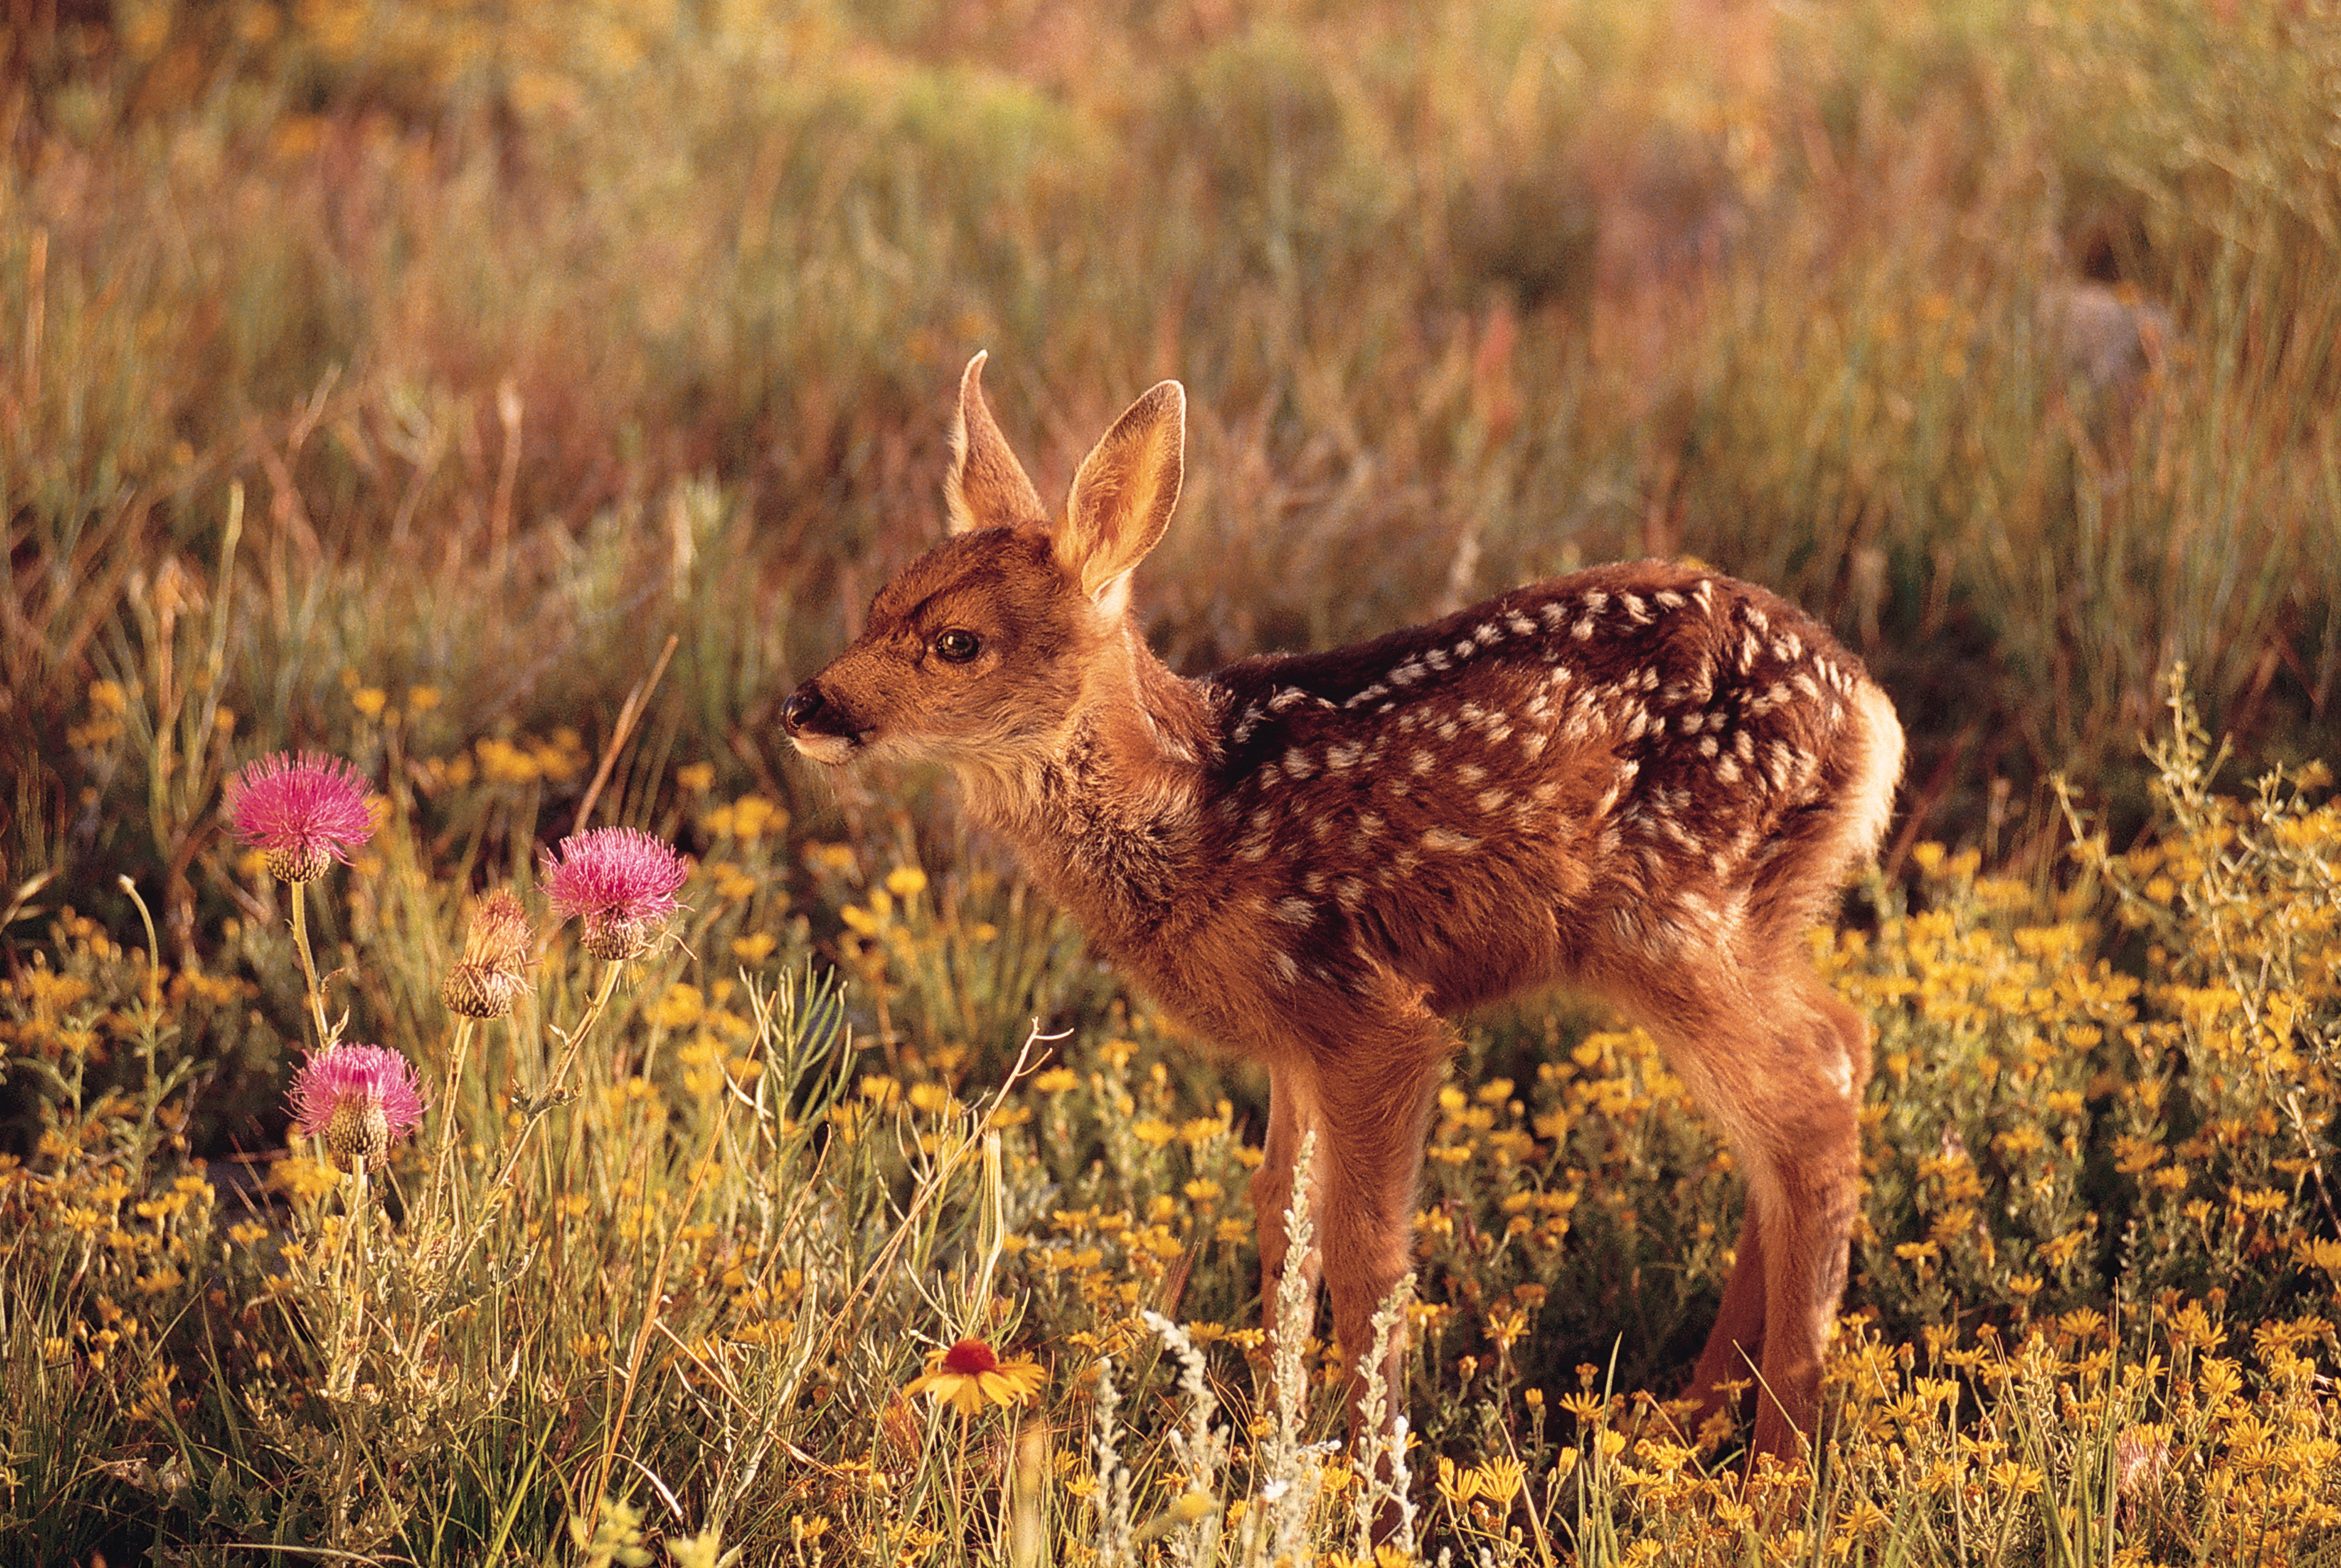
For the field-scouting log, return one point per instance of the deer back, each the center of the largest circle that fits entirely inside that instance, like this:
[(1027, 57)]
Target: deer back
[(1571, 779)]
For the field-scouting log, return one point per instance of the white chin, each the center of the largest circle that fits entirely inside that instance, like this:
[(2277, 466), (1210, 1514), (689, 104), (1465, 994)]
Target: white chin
[(831, 749)]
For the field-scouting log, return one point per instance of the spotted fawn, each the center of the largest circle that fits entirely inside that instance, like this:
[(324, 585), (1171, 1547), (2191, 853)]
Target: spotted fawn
[(1647, 782)]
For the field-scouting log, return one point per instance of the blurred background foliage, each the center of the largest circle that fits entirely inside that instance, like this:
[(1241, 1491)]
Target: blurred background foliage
[(396, 376), (2001, 335)]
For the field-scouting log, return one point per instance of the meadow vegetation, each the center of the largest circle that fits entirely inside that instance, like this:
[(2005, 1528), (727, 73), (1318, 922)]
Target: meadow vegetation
[(515, 400)]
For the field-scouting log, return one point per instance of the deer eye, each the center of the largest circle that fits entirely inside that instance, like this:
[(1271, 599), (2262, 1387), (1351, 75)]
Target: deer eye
[(957, 646)]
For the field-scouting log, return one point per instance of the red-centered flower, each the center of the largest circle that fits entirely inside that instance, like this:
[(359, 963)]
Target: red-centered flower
[(620, 882), (356, 1100), (970, 1376), (306, 812)]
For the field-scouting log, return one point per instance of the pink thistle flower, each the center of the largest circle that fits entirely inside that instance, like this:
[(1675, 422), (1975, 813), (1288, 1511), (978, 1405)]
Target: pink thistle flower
[(356, 1100), (306, 811), (621, 882)]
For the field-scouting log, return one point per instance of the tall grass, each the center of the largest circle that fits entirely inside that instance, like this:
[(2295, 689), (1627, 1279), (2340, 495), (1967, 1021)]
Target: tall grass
[(659, 1271), (530, 340), (516, 400)]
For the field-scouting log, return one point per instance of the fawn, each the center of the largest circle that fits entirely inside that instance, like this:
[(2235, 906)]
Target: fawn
[(1647, 782)]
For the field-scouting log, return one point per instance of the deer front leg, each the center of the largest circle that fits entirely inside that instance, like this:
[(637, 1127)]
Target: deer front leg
[(1292, 1110), (1376, 1113), (1376, 1107)]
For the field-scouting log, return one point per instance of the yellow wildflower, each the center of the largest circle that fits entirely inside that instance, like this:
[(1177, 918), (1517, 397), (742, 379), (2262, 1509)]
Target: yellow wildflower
[(968, 1375)]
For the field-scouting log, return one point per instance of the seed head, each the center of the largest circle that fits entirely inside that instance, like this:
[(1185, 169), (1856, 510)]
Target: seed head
[(492, 972), (306, 811), (358, 1100), (619, 882)]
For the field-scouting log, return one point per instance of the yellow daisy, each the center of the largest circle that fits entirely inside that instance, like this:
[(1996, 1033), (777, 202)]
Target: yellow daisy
[(970, 1376)]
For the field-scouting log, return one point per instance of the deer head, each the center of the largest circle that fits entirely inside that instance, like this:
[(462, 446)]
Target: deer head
[(986, 650)]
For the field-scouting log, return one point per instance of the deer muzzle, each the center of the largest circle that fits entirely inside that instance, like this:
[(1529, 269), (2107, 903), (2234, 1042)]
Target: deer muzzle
[(819, 726)]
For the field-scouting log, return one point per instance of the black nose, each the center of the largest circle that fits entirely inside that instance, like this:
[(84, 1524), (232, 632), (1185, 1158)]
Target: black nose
[(804, 705)]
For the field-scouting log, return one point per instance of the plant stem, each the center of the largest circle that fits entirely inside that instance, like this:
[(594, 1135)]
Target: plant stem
[(451, 1098), (308, 964), (348, 1285), (520, 1145), (585, 1024), (643, 1333)]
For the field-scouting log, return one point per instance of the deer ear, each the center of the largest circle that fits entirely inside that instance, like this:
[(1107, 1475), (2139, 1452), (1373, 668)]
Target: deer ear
[(1123, 493), (985, 487)]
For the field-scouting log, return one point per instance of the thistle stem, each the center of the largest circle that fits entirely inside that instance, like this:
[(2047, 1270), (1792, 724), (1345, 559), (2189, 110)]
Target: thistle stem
[(450, 1101), (584, 1026), (577, 1039), (348, 1283), (308, 964)]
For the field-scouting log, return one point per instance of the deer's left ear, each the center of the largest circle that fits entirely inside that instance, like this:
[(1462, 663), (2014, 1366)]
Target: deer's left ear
[(985, 487), (1123, 495)]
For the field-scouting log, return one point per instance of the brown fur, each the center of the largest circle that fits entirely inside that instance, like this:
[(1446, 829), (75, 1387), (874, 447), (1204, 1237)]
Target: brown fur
[(1644, 781)]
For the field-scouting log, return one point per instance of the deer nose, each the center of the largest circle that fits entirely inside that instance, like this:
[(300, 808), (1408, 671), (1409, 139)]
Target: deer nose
[(804, 705)]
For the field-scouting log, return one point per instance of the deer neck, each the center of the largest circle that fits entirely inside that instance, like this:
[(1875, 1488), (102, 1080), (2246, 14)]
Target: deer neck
[(1107, 814)]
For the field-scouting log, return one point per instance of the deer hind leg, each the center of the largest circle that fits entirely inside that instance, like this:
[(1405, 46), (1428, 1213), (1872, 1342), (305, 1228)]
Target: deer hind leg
[(1784, 1077), (1735, 1345), (1809, 1230)]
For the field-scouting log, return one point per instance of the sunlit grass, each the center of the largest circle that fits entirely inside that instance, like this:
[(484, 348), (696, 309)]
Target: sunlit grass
[(688, 1250), (396, 380), (1467, 294)]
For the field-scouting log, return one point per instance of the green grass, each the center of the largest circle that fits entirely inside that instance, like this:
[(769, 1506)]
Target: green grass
[(398, 380)]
